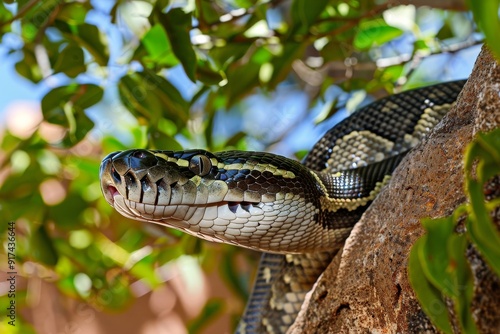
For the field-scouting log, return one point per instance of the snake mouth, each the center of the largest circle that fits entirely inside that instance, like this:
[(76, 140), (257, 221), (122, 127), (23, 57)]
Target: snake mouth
[(106, 174), (110, 194)]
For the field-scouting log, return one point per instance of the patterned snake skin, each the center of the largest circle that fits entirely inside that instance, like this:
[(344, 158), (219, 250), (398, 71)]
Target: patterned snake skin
[(298, 214)]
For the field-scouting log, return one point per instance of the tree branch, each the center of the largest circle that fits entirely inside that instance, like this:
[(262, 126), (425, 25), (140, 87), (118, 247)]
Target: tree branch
[(458, 5), (371, 291)]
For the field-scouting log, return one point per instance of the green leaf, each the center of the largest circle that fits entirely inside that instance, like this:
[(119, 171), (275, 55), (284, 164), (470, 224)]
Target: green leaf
[(282, 65), (304, 14), (89, 37), (390, 74), (300, 155), (134, 96), (191, 245), (89, 95), (36, 17), (167, 126), (28, 67), (484, 152), (329, 109), (244, 3), (22, 186), (429, 297), (442, 259), (65, 106), (67, 213), (232, 277), (229, 53), (168, 252), (207, 74), (420, 44), (5, 16), (157, 45), (74, 13), (151, 96), (145, 271), (82, 96), (206, 12), (160, 140), (462, 282), (83, 125), (29, 31), (233, 141), (70, 61), (375, 32), (111, 144), (332, 51), (241, 80), (486, 16), (42, 248), (21, 191), (211, 311), (177, 23), (261, 56), (433, 256), (445, 31)]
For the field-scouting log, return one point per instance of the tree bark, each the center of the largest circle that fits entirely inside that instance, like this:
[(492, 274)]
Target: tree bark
[(366, 289)]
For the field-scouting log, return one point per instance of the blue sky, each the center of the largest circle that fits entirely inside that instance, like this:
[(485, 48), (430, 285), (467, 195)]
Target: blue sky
[(12, 86)]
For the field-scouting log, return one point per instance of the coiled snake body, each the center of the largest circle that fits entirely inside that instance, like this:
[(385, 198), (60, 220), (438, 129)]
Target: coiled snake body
[(298, 214)]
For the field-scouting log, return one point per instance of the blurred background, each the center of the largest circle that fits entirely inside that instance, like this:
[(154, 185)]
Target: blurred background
[(80, 79)]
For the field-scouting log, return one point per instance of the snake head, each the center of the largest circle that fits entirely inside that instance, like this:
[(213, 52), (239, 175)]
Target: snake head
[(140, 182), (233, 197), (129, 174)]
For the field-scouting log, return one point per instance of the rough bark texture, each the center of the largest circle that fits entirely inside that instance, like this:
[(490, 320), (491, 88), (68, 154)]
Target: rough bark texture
[(369, 291)]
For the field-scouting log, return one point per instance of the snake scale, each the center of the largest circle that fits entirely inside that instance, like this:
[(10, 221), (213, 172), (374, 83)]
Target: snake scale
[(298, 214)]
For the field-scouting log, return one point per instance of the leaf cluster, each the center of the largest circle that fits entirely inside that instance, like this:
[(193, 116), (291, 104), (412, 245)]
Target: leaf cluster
[(438, 267), (173, 67)]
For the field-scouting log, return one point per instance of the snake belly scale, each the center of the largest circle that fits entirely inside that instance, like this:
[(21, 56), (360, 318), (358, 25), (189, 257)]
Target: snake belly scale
[(298, 214)]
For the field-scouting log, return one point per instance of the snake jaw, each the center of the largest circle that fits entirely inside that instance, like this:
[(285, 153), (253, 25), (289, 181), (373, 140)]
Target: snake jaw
[(110, 194), (106, 172)]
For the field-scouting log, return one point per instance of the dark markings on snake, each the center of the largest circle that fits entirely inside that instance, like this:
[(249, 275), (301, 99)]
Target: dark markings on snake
[(306, 208)]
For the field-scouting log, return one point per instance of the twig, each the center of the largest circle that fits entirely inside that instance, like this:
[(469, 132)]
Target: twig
[(237, 14), (352, 23), (41, 55), (20, 13), (419, 57)]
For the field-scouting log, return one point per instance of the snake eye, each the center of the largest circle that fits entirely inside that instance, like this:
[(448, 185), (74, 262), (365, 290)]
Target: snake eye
[(140, 154), (200, 165)]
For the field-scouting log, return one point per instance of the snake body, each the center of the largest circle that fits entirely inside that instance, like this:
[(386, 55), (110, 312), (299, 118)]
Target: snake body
[(299, 214)]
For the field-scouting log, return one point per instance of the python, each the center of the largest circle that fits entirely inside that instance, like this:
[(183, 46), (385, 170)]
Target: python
[(298, 214)]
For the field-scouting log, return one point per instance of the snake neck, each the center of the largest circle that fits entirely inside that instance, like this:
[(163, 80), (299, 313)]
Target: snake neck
[(250, 199)]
